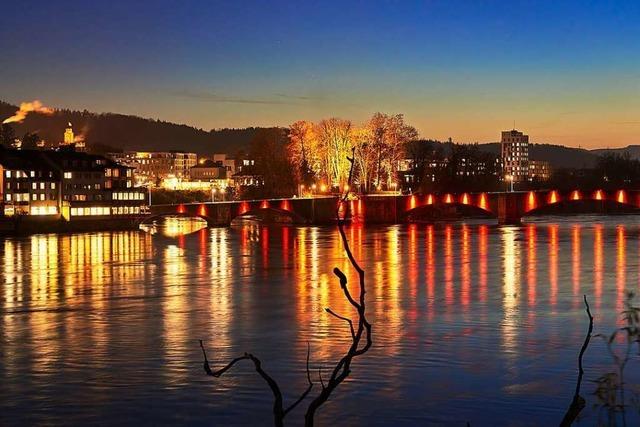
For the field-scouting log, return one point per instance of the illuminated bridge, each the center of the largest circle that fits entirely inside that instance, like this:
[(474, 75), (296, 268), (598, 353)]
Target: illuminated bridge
[(507, 207)]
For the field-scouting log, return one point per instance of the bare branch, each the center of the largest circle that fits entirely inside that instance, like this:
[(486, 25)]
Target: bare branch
[(346, 319), (306, 392), (578, 402)]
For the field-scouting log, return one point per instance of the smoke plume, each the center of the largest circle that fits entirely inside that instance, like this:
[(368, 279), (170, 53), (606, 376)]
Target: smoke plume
[(26, 108)]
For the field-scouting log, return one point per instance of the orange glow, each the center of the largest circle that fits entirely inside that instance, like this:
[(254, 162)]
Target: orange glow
[(483, 202), (576, 258), (285, 205), (465, 199), (181, 209), (598, 195), (621, 196), (244, 207), (531, 201), (553, 197), (412, 202), (429, 199), (264, 204), (448, 199), (553, 263), (575, 195), (483, 249), (202, 210), (621, 267), (532, 279), (598, 262)]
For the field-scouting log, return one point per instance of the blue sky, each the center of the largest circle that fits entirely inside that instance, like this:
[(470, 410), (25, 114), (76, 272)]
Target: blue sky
[(566, 72)]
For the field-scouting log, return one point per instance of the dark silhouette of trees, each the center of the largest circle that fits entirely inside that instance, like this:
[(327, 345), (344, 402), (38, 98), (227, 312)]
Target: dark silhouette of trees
[(7, 135)]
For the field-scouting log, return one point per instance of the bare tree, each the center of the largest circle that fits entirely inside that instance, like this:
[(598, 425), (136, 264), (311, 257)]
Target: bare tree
[(360, 331)]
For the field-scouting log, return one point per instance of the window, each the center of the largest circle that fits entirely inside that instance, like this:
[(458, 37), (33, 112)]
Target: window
[(42, 196), (42, 185), (68, 175), (53, 185), (34, 196), (8, 197), (7, 174)]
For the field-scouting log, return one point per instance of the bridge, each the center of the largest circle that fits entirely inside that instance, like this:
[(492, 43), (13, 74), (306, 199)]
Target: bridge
[(507, 207)]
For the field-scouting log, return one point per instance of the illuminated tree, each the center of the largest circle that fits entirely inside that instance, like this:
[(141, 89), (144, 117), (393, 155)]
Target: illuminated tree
[(303, 151), (335, 137)]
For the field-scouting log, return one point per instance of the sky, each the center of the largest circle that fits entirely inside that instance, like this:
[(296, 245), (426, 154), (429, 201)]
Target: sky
[(566, 72)]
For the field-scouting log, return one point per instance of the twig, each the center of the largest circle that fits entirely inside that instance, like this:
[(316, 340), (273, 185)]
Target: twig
[(578, 402)]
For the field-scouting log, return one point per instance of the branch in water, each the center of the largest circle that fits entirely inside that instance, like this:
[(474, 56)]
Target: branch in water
[(578, 402)]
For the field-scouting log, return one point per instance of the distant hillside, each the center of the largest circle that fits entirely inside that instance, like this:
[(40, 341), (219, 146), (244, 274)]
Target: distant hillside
[(118, 131), (632, 150), (557, 155)]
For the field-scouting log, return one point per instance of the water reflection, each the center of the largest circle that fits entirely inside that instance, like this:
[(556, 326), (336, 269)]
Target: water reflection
[(110, 319)]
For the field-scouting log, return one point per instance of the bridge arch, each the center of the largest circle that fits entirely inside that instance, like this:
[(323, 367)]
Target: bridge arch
[(447, 205), (577, 201)]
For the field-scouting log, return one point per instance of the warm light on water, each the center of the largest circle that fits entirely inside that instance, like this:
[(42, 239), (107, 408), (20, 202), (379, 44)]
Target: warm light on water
[(472, 322)]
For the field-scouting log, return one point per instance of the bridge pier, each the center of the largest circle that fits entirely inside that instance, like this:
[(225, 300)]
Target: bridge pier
[(510, 208)]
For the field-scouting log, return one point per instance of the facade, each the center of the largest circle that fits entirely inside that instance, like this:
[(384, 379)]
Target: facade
[(155, 166), (68, 184), (28, 185), (515, 155), (539, 170), (208, 171)]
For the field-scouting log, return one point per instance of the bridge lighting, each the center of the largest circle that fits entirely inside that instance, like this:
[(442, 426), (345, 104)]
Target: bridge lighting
[(264, 204), (244, 207), (621, 197), (465, 199), (202, 210), (598, 195), (448, 199), (483, 202), (553, 197), (412, 202), (430, 199), (531, 201), (181, 209), (575, 195), (323, 188), (285, 205)]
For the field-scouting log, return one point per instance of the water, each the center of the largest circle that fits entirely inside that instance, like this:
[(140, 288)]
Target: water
[(472, 322)]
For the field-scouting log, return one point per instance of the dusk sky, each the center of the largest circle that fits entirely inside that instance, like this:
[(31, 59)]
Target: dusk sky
[(566, 72)]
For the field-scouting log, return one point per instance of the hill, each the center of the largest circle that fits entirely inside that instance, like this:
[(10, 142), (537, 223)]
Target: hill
[(632, 151), (115, 132), (558, 156)]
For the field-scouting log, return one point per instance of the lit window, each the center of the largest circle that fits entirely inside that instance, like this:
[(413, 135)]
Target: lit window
[(42, 185), (53, 185), (68, 175)]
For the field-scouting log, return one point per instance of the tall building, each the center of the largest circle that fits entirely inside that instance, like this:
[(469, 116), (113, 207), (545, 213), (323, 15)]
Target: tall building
[(515, 155)]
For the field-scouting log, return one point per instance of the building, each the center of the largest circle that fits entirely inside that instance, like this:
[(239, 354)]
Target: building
[(228, 164), (515, 155), (69, 137), (68, 184), (539, 170), (28, 184), (155, 166)]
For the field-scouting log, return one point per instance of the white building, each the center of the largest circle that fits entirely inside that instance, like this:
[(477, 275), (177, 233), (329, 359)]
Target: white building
[(515, 155)]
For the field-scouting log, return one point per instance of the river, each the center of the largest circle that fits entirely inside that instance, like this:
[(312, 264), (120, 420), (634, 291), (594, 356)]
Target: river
[(471, 322)]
